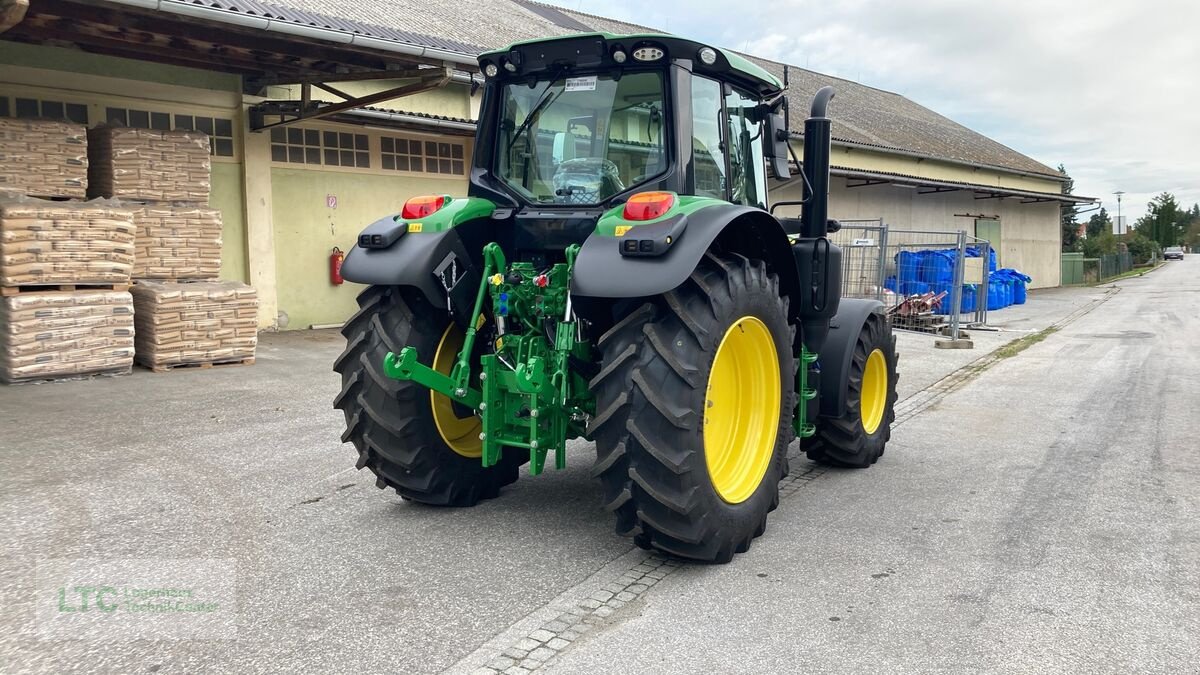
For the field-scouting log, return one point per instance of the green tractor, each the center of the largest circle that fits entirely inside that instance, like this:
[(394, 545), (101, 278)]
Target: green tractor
[(615, 274)]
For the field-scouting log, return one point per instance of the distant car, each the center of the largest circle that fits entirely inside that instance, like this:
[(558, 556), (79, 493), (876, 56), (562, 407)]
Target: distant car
[(1173, 253)]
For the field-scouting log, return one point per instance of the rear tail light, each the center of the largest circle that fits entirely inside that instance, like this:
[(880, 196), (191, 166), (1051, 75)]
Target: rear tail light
[(423, 207), (648, 205)]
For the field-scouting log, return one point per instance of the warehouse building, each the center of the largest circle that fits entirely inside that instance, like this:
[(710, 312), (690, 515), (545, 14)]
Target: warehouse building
[(325, 116)]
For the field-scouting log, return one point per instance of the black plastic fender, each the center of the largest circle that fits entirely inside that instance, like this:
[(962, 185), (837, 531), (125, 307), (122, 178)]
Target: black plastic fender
[(411, 261), (834, 358), (602, 272)]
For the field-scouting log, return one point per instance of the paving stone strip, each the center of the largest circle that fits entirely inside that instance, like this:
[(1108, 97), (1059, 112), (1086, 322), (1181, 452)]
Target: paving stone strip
[(542, 645)]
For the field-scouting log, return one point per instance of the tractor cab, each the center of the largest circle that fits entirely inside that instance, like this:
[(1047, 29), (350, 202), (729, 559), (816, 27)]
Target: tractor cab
[(580, 124)]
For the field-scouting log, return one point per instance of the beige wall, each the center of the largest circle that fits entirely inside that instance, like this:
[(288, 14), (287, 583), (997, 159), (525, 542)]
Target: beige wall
[(1029, 232), (871, 160), (305, 229)]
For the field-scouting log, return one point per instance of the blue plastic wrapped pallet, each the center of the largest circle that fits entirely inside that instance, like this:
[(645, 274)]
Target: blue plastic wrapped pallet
[(908, 270), (937, 267), (1017, 282)]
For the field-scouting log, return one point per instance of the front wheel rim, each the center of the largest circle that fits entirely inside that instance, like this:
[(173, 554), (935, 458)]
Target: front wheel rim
[(873, 398)]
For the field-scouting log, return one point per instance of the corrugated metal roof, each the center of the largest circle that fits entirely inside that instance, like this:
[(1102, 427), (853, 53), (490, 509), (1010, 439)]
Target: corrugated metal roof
[(862, 115), (296, 12)]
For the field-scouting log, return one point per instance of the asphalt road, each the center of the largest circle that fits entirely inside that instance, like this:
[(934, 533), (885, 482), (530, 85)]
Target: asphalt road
[(1043, 515)]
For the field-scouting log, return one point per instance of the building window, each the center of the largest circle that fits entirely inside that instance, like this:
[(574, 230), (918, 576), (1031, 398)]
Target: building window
[(50, 110), (402, 154), (312, 146), (3, 106), (219, 129)]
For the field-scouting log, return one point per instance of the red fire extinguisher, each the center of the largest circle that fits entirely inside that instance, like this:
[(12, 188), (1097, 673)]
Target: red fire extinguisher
[(335, 266)]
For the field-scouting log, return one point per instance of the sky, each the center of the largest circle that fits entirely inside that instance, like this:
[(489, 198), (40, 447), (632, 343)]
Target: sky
[(1110, 90)]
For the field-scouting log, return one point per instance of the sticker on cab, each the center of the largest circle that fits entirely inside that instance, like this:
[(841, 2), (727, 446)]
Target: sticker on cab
[(622, 229), (415, 227), (581, 84)]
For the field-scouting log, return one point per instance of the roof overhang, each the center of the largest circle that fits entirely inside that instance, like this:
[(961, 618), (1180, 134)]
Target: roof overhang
[(860, 178), (198, 36)]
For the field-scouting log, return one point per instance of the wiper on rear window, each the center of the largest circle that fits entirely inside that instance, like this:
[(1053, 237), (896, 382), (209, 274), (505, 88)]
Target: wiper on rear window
[(544, 101)]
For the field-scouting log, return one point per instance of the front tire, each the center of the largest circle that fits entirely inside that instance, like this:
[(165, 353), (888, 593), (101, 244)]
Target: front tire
[(413, 440), (694, 412), (857, 439)]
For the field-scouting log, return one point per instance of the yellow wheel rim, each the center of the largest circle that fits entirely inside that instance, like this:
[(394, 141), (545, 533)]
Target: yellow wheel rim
[(460, 433), (873, 399), (741, 416)]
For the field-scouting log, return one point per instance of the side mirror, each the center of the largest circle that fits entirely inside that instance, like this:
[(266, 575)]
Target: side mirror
[(775, 146)]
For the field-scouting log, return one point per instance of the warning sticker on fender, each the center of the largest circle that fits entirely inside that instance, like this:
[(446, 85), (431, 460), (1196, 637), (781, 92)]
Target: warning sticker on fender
[(581, 83)]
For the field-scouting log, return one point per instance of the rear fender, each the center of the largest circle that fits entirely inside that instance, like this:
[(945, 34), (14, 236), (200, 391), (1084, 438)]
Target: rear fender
[(601, 271), (838, 351)]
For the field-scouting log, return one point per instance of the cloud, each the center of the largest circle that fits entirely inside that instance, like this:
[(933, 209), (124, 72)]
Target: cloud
[(1107, 89)]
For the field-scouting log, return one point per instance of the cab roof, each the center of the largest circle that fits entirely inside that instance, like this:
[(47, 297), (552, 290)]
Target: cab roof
[(595, 49)]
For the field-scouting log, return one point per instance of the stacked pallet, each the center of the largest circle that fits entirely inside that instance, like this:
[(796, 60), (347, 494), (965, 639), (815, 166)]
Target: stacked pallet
[(183, 315), (46, 243), (43, 158), (63, 334), (177, 242), (199, 323), (147, 164)]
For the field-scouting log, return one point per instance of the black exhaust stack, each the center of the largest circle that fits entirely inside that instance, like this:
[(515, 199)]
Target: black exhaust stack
[(814, 219)]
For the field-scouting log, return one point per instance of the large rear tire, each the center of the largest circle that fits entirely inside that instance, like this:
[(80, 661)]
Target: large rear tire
[(413, 440), (857, 439), (694, 407)]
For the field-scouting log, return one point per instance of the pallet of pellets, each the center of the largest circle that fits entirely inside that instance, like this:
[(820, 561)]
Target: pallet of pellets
[(194, 323), (166, 166), (177, 242), (43, 158), (65, 334), (60, 243)]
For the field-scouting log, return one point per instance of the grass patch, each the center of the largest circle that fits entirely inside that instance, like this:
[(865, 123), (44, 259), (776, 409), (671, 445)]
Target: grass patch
[(1136, 272), (1017, 346)]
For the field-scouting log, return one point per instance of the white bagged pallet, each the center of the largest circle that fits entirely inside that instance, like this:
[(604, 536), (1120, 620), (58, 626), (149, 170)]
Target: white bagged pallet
[(45, 243), (192, 323), (43, 158), (63, 334), (168, 166), (177, 242)]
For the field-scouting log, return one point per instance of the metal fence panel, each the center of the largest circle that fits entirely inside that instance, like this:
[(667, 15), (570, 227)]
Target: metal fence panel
[(931, 281)]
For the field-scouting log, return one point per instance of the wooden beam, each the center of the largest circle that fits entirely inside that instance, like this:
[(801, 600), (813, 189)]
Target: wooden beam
[(422, 85), (333, 90)]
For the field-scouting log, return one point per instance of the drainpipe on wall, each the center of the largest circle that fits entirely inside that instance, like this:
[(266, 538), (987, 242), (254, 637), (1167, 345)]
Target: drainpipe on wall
[(12, 12)]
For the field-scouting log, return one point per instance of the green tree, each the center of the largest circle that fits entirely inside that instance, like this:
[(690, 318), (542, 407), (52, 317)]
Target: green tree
[(1103, 244), (1192, 235), (1164, 222), (1141, 247), (1067, 214), (1098, 223)]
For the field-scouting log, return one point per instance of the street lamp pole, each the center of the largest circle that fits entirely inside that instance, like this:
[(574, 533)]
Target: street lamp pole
[(1120, 222)]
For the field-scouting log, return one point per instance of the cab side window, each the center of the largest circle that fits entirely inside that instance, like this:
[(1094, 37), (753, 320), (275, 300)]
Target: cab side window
[(708, 151), (747, 170)]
